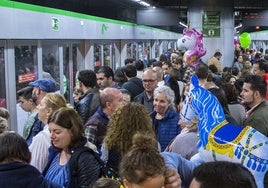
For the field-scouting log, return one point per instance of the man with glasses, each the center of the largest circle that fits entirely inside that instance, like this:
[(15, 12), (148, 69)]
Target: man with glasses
[(149, 82)]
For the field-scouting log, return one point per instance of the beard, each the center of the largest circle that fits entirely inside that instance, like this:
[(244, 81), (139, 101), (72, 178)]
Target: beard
[(248, 104), (34, 97)]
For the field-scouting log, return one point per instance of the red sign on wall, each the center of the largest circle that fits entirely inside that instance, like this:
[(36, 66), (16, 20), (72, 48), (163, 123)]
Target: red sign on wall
[(26, 77)]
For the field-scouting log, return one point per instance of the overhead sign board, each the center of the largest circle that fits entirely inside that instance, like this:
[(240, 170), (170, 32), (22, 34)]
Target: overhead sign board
[(211, 22)]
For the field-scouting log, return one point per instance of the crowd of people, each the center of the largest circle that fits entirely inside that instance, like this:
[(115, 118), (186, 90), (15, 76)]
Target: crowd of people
[(130, 118)]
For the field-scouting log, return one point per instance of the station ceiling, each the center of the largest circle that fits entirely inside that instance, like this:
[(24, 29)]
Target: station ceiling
[(251, 13)]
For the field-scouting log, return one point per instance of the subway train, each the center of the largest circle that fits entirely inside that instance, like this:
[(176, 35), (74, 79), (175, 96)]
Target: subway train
[(37, 42)]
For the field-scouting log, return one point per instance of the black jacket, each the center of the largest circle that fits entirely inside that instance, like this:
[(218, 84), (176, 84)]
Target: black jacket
[(88, 104), (18, 175), (143, 99), (134, 86), (88, 168)]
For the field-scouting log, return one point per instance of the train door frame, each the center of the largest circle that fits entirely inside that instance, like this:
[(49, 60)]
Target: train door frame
[(11, 81), (5, 93), (3, 71)]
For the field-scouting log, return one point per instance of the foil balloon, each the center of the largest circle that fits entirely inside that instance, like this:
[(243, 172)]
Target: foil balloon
[(219, 140), (236, 41), (192, 41)]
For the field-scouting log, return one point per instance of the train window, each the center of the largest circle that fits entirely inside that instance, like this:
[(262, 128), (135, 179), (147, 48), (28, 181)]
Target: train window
[(144, 52), (132, 50), (107, 50), (70, 70), (97, 57), (2, 78), (157, 49), (50, 63), (164, 47), (103, 55)]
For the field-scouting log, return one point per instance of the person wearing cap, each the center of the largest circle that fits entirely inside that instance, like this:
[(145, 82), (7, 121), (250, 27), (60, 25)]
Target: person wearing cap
[(215, 60), (41, 88)]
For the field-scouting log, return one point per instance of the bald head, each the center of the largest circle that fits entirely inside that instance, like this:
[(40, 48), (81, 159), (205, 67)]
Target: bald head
[(110, 96), (159, 73)]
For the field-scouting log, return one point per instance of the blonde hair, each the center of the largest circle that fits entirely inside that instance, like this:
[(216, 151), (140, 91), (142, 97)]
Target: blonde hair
[(3, 125), (192, 125), (4, 113), (54, 101)]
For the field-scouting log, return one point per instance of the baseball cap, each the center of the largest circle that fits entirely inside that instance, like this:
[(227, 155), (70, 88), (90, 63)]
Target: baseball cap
[(45, 84)]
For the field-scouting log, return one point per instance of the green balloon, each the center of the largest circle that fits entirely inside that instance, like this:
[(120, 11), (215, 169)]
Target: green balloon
[(244, 39)]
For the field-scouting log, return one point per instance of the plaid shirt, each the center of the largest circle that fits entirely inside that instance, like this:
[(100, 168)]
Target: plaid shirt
[(96, 127)]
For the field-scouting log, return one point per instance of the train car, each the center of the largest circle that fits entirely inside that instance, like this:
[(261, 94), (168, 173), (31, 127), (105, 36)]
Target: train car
[(37, 42)]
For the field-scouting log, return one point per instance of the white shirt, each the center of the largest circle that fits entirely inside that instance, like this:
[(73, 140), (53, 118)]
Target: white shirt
[(39, 149)]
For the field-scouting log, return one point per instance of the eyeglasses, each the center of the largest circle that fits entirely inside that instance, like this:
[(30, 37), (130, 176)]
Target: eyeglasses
[(148, 81)]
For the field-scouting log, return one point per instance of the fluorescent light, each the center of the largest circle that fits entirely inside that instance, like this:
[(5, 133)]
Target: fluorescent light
[(240, 25), (184, 25), (144, 3)]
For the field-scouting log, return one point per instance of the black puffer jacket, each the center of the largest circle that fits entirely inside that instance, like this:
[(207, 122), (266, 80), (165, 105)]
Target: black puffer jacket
[(88, 171), (88, 104), (134, 86)]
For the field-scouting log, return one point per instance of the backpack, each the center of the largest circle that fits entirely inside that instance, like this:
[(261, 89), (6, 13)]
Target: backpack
[(105, 171)]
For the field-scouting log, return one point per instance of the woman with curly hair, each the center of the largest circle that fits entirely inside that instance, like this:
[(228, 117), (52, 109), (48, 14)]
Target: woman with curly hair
[(126, 121)]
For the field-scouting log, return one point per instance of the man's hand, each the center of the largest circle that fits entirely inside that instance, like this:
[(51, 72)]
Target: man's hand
[(173, 179)]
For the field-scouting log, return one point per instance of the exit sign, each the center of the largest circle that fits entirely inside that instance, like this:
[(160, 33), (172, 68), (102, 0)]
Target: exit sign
[(211, 22)]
